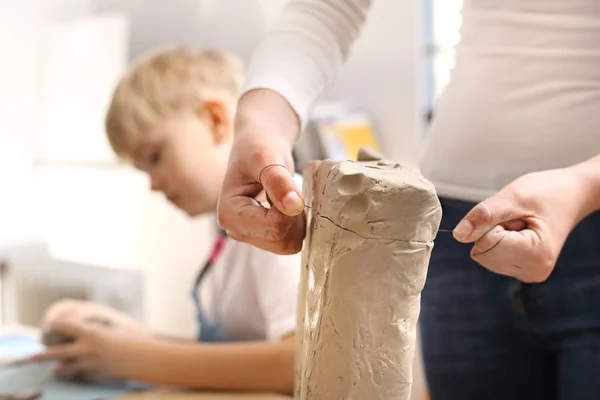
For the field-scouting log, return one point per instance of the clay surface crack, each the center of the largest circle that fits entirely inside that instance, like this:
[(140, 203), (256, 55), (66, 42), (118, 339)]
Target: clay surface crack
[(319, 215)]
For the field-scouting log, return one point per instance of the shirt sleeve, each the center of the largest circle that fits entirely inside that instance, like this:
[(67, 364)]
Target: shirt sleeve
[(276, 279), (305, 49)]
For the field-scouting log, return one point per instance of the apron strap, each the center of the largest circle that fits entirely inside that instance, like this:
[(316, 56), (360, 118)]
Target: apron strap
[(205, 325)]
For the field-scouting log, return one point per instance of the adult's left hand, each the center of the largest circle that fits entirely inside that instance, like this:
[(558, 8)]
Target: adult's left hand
[(521, 230)]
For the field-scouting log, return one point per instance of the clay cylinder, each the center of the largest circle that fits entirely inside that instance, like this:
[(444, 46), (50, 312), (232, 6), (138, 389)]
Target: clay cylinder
[(371, 227)]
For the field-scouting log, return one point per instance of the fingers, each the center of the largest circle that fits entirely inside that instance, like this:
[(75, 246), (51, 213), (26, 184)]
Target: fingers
[(79, 367), (489, 241), (496, 210), (72, 328), (260, 201), (290, 243), (66, 331), (520, 254), (269, 213), (515, 225), (281, 189), (61, 352), (264, 222), (60, 310)]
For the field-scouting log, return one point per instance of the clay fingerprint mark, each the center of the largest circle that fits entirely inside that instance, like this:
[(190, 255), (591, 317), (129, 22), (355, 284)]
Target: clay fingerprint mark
[(351, 185)]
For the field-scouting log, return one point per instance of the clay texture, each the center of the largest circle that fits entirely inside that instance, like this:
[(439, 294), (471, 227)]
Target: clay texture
[(369, 239)]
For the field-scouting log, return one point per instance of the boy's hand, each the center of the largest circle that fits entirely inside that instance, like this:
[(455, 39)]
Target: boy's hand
[(96, 352), (521, 230), (261, 167), (81, 310)]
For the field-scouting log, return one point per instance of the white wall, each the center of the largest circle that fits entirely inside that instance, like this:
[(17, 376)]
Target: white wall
[(19, 30), (107, 216)]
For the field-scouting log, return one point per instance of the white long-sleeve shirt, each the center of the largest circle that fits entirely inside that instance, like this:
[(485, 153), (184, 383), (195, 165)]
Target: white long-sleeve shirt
[(524, 94)]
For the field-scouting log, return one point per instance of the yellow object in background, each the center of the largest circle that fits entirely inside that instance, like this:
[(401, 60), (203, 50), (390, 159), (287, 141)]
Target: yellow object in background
[(344, 133), (353, 137)]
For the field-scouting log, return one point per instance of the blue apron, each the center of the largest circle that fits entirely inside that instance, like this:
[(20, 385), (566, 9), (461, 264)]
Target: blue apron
[(209, 330)]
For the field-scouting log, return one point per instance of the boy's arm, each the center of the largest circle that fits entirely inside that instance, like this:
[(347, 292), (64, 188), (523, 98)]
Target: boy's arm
[(242, 366), (103, 352)]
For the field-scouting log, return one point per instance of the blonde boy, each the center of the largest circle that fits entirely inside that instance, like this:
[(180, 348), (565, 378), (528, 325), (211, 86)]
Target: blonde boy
[(171, 117)]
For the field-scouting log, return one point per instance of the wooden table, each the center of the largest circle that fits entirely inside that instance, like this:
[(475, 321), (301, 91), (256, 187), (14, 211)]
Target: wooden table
[(176, 395)]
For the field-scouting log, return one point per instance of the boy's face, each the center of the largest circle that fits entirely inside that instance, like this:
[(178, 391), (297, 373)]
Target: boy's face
[(185, 158)]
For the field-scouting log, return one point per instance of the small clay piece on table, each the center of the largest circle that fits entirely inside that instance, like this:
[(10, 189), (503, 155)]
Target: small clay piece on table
[(371, 226), (55, 338)]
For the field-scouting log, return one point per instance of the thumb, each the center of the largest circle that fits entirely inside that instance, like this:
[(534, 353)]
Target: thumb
[(496, 210), (282, 190)]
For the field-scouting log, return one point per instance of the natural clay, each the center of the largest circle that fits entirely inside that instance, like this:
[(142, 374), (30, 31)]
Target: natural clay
[(371, 226), (55, 338)]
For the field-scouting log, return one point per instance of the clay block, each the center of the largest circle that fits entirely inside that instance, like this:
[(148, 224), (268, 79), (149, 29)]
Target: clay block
[(371, 226)]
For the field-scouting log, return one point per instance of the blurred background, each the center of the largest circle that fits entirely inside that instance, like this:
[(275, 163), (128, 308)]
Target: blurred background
[(75, 222)]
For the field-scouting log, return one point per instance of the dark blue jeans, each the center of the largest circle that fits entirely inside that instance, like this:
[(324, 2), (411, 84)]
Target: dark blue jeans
[(487, 336)]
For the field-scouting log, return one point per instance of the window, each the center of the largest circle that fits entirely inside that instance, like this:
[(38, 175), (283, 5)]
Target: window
[(441, 25), (446, 26), (81, 62)]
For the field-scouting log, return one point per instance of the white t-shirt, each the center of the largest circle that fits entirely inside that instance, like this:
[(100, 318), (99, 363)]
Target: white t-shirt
[(252, 293), (524, 94)]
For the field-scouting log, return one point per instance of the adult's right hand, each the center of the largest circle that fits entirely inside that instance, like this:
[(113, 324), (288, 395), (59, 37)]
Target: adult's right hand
[(260, 203)]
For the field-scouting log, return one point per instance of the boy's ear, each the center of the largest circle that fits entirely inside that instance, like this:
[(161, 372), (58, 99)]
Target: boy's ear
[(215, 114)]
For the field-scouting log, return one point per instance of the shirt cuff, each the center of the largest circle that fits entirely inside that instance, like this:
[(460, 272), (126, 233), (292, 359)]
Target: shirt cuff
[(300, 103)]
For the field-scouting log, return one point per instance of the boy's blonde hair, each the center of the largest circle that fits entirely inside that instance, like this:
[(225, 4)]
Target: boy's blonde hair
[(163, 83)]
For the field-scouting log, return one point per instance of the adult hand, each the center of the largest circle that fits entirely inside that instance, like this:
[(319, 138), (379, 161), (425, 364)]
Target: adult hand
[(521, 230), (260, 203), (97, 352), (81, 310)]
